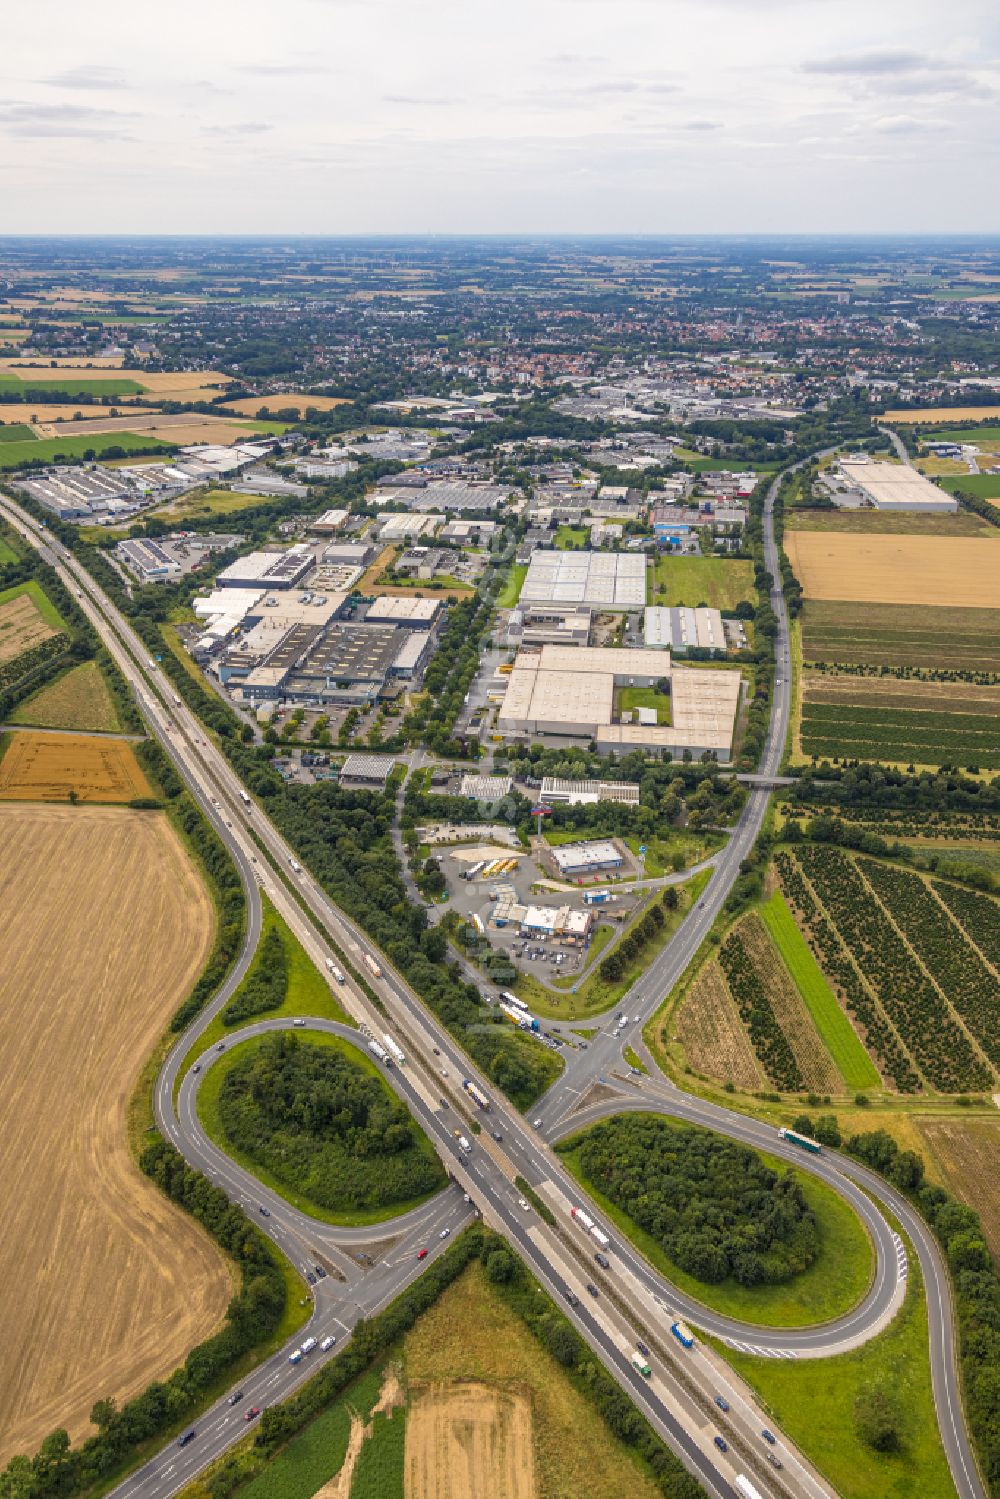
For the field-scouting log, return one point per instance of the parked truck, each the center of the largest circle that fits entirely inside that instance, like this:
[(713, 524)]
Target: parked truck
[(337, 972), (683, 1334), (371, 965), (595, 897), (379, 1052), (475, 1093), (802, 1141), (394, 1048)]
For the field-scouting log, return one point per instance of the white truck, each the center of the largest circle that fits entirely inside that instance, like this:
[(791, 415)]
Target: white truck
[(463, 1144), (600, 1236), (584, 1219), (378, 1051), (308, 1345), (337, 972), (395, 1048), (296, 866), (245, 798), (371, 965)]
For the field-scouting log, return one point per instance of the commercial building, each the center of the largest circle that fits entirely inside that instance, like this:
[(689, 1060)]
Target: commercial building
[(608, 581), (558, 791), (406, 527), (682, 629), (562, 922), (268, 569), (548, 624), (592, 857), (329, 522), (572, 692), (486, 788), (896, 486), (410, 613), (147, 560), (367, 770)]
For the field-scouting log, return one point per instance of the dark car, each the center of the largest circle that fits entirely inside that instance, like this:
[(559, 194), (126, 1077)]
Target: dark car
[(722, 1402), (311, 1277), (444, 1103), (768, 1436), (497, 1135), (265, 1212), (643, 1349), (236, 1397), (602, 1260), (188, 1436), (774, 1461), (252, 1413), (320, 1272), (592, 1289), (573, 1300), (221, 1046), (722, 1444)]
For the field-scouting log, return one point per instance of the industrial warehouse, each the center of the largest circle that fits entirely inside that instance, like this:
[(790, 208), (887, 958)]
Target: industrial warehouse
[(613, 581), (894, 486), (572, 692)]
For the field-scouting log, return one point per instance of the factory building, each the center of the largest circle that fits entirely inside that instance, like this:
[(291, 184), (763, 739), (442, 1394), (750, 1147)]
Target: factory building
[(591, 857), (267, 569), (609, 581), (559, 792), (681, 629), (896, 486)]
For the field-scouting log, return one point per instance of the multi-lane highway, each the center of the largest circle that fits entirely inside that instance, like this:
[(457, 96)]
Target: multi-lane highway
[(679, 1399)]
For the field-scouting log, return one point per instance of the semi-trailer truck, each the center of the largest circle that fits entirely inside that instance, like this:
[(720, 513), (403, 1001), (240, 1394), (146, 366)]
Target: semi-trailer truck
[(520, 1018), (599, 1235), (394, 1048), (371, 965), (378, 1051), (746, 1488), (475, 1093), (802, 1141), (584, 1219), (245, 798), (683, 1334), (337, 972), (638, 1362)]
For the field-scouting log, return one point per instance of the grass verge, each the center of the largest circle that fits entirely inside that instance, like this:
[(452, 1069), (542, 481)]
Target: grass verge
[(813, 1401)]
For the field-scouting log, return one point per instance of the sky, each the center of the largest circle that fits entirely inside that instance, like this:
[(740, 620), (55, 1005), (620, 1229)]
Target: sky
[(524, 116)]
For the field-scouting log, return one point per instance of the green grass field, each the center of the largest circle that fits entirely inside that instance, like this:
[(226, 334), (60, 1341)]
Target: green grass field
[(317, 1453), (199, 503), (47, 449), (45, 606), (813, 1401), (890, 522), (630, 698), (51, 384), (308, 992), (962, 434), (511, 591), (984, 486), (7, 552), (208, 1113), (836, 1032), (378, 1473), (16, 432), (719, 582), (79, 699), (571, 537), (835, 1282)]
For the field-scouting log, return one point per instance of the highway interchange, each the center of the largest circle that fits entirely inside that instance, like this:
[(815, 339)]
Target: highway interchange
[(635, 1302)]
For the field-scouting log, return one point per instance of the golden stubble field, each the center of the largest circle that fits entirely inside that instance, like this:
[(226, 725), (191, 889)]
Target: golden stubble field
[(21, 626), (103, 1284), (250, 405), (46, 767), (928, 570), (468, 1441)]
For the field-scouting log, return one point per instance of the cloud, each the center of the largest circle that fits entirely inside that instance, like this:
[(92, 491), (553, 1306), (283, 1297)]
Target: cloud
[(283, 69), (868, 63), (702, 125), (418, 100), (89, 76), (244, 127), (896, 124), (72, 120)]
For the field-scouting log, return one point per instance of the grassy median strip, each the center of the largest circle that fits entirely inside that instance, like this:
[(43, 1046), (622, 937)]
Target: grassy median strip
[(837, 1033)]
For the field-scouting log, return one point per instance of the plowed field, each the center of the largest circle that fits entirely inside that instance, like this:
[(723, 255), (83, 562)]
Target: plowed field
[(103, 1284)]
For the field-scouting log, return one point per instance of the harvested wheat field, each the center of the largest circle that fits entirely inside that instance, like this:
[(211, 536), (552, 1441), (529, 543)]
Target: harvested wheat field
[(286, 401), (944, 414), (46, 767), (21, 626), (469, 1442), (186, 427), (470, 1337), (41, 413), (887, 569), (709, 1028), (103, 1284), (966, 1152)]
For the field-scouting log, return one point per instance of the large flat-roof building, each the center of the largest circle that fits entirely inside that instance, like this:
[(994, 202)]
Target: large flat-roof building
[(609, 581), (896, 486), (267, 569), (590, 857), (572, 692), (681, 629), (558, 791)]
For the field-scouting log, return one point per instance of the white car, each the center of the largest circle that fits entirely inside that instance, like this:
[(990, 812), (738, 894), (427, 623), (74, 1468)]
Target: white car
[(523, 1203), (327, 1344), (444, 1233), (444, 1072), (298, 1022)]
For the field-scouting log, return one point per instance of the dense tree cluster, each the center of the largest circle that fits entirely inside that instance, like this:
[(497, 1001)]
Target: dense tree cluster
[(265, 986), (323, 1126), (638, 937), (716, 1209)]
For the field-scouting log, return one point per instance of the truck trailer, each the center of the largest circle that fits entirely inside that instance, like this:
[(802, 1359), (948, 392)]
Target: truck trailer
[(475, 1093), (379, 1052), (584, 1219), (371, 965), (683, 1334), (802, 1141), (394, 1048), (337, 973)]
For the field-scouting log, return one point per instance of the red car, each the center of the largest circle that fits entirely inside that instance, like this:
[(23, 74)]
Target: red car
[(421, 1254), (252, 1413)]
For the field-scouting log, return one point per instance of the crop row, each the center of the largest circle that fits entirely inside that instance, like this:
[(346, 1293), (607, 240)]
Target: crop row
[(769, 1040), (880, 1037), (910, 1000), (977, 914), (938, 751), (939, 942), (900, 718), (869, 692)]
